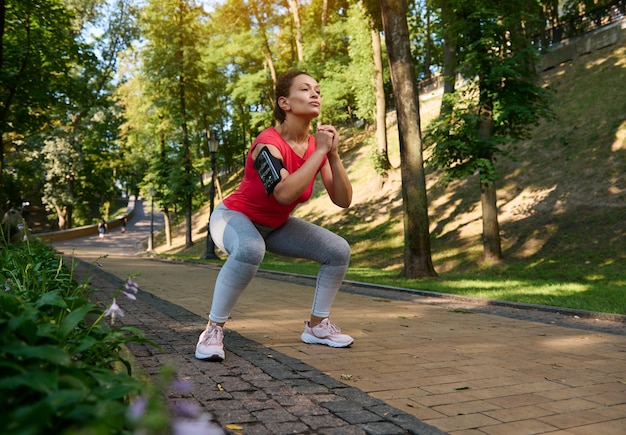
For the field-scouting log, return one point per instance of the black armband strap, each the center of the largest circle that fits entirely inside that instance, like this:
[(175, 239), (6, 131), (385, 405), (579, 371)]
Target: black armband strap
[(268, 168)]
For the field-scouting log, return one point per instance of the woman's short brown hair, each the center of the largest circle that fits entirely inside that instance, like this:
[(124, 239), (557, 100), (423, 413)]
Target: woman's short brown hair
[(283, 85)]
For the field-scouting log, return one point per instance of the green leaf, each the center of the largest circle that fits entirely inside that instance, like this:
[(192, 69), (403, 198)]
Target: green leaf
[(85, 343), (65, 398), (51, 298), (72, 320), (118, 391), (49, 353), (34, 380)]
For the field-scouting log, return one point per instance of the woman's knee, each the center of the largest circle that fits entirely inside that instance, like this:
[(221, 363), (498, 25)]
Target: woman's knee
[(250, 251), (339, 251)]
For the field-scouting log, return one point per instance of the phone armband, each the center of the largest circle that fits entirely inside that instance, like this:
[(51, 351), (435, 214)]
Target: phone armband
[(268, 168)]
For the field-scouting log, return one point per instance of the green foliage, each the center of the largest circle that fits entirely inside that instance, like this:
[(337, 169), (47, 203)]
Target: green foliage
[(37, 49), (171, 101), (425, 32), (360, 73), (502, 101), (57, 356), (381, 161), (457, 147), (55, 88)]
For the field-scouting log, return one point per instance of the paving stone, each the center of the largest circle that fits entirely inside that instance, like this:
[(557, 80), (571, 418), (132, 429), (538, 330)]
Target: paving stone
[(358, 417), (413, 355)]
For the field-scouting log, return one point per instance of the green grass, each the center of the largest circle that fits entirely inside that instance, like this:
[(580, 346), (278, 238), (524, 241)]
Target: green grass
[(582, 287), (520, 283)]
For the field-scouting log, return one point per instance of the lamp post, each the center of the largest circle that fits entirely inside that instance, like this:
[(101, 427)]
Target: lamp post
[(151, 239), (210, 245)]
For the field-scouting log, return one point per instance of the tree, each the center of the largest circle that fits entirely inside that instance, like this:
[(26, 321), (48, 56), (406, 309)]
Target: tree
[(56, 84), (449, 52), (293, 5), (501, 102), (361, 70), (382, 155), (425, 33), (417, 255), (366, 78), (37, 50), (172, 69), (91, 119), (62, 164)]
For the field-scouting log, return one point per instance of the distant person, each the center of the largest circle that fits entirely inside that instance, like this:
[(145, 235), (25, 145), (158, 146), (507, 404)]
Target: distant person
[(102, 229), (280, 170), (123, 224)]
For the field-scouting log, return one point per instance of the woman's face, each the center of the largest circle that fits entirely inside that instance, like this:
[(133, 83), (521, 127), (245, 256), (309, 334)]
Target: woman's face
[(304, 97)]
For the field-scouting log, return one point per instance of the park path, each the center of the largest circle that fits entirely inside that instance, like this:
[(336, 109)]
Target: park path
[(456, 366)]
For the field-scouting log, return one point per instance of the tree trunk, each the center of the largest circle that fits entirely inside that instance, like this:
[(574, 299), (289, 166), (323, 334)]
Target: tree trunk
[(417, 255), (168, 226), (428, 45), (491, 229), (381, 108), (293, 4), (188, 170), (60, 216), (186, 146), (166, 210), (449, 55), (324, 20), (492, 252), (267, 53)]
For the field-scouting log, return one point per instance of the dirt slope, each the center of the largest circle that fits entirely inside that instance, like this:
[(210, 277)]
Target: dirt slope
[(564, 190)]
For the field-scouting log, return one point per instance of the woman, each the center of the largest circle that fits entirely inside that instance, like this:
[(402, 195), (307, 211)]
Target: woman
[(279, 174)]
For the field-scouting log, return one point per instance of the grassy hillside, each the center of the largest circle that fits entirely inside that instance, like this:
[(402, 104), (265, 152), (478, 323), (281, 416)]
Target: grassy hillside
[(561, 195), (563, 192)]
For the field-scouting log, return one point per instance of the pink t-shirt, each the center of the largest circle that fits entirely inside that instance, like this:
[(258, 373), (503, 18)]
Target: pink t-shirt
[(251, 199)]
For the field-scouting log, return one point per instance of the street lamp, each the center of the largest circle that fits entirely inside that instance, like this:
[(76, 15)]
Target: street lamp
[(210, 245), (151, 239)]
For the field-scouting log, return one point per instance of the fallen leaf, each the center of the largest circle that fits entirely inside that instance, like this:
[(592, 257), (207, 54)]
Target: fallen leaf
[(219, 387), (234, 427)]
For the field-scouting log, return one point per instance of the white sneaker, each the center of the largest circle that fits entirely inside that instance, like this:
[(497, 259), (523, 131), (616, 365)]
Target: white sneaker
[(210, 347), (325, 333)]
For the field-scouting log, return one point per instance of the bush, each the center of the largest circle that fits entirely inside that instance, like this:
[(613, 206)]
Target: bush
[(57, 356)]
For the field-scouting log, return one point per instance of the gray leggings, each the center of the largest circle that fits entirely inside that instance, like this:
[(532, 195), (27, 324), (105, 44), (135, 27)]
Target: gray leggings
[(246, 243)]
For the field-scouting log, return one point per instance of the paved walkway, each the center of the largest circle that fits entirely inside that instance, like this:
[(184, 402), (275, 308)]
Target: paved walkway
[(419, 364)]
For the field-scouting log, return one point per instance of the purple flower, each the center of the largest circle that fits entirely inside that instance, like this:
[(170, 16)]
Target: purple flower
[(130, 296), (138, 408), (114, 311), (183, 386), (131, 286), (187, 409), (193, 427)]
